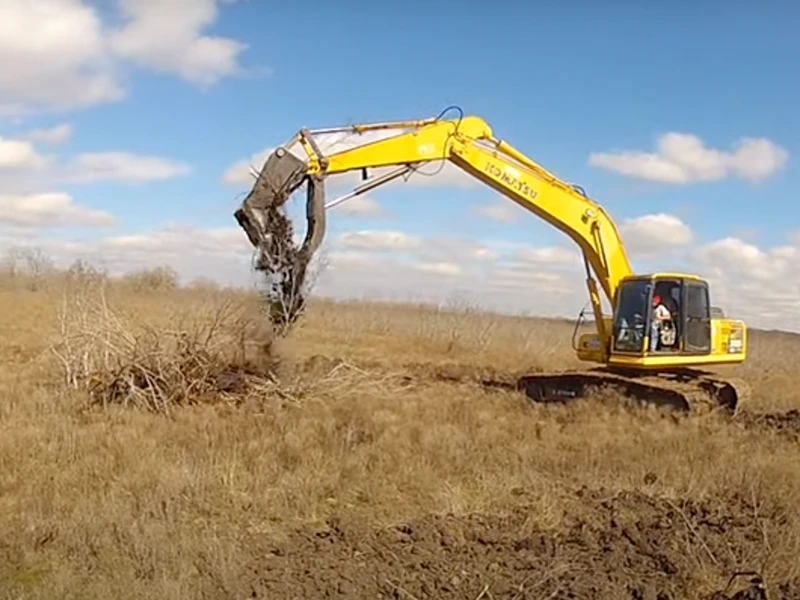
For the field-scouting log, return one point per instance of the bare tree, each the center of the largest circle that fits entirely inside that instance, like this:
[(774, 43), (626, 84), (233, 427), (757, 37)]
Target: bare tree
[(29, 263)]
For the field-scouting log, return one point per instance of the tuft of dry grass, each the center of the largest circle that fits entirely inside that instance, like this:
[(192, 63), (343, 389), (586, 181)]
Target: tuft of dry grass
[(338, 420)]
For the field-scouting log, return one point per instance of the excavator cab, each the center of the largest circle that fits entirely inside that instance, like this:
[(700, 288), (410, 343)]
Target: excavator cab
[(667, 317)]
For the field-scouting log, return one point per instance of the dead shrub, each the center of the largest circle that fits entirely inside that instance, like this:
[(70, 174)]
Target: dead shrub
[(156, 279), (26, 268), (212, 349)]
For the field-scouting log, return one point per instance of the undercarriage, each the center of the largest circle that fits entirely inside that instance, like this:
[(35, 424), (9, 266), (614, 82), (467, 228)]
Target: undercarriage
[(685, 390)]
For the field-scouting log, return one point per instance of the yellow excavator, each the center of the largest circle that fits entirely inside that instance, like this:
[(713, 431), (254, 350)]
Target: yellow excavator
[(654, 355)]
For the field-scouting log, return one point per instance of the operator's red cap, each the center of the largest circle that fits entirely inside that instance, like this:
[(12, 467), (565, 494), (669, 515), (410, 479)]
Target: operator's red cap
[(656, 298)]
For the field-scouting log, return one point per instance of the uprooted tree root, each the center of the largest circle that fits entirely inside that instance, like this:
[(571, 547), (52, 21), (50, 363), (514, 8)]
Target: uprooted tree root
[(284, 270)]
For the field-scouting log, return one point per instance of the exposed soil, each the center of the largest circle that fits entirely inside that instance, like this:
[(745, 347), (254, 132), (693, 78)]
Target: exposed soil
[(628, 546), (785, 423)]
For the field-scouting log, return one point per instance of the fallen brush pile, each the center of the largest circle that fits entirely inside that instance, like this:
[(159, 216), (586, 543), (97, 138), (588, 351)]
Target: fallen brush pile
[(220, 350), (159, 380), (217, 351)]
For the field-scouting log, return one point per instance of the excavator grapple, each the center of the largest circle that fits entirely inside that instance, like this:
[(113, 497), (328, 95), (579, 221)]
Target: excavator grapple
[(263, 219), (656, 347)]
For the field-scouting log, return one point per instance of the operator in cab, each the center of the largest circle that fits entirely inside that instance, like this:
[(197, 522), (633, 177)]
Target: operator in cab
[(660, 315)]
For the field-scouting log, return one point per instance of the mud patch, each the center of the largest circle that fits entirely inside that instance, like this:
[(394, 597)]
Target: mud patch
[(626, 546)]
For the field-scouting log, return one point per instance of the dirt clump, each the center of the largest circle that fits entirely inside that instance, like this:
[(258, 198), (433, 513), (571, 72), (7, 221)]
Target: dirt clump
[(625, 546)]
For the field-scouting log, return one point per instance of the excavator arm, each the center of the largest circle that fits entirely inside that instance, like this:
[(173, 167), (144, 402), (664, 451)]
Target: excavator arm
[(468, 143)]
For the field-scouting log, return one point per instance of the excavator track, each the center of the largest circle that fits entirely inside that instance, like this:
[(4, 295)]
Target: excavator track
[(696, 392)]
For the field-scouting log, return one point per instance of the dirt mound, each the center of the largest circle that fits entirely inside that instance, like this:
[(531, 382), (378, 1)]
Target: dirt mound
[(625, 546)]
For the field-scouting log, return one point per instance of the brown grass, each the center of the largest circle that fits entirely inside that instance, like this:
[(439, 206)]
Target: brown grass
[(111, 500)]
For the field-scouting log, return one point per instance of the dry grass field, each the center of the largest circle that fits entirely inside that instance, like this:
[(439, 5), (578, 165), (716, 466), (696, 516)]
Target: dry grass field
[(146, 452)]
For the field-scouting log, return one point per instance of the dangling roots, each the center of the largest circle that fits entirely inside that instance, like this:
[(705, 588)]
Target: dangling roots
[(262, 216)]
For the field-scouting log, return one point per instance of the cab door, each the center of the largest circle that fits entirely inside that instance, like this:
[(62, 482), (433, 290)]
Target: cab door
[(696, 317)]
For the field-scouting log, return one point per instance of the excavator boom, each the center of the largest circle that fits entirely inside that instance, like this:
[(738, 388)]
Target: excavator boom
[(400, 148)]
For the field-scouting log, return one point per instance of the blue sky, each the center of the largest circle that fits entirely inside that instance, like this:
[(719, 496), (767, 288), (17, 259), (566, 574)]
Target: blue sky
[(560, 82)]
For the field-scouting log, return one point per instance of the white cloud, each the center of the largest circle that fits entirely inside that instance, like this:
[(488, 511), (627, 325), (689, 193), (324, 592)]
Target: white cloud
[(450, 249), (50, 210), (54, 135), (757, 284), (497, 283), (243, 172), (360, 206), (503, 211), (481, 253), (552, 255), (78, 58), (500, 275), (760, 285), (749, 262), (379, 240), (440, 268), (19, 155), (168, 37), (27, 199), (682, 158), (64, 40), (521, 279), (654, 234), (176, 239), (349, 258), (222, 254), (122, 166)]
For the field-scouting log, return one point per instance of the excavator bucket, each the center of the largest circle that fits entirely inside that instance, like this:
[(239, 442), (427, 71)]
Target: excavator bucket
[(270, 231)]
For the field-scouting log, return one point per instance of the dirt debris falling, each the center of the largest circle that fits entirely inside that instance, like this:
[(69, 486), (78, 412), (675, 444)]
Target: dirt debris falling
[(283, 267), (282, 263)]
